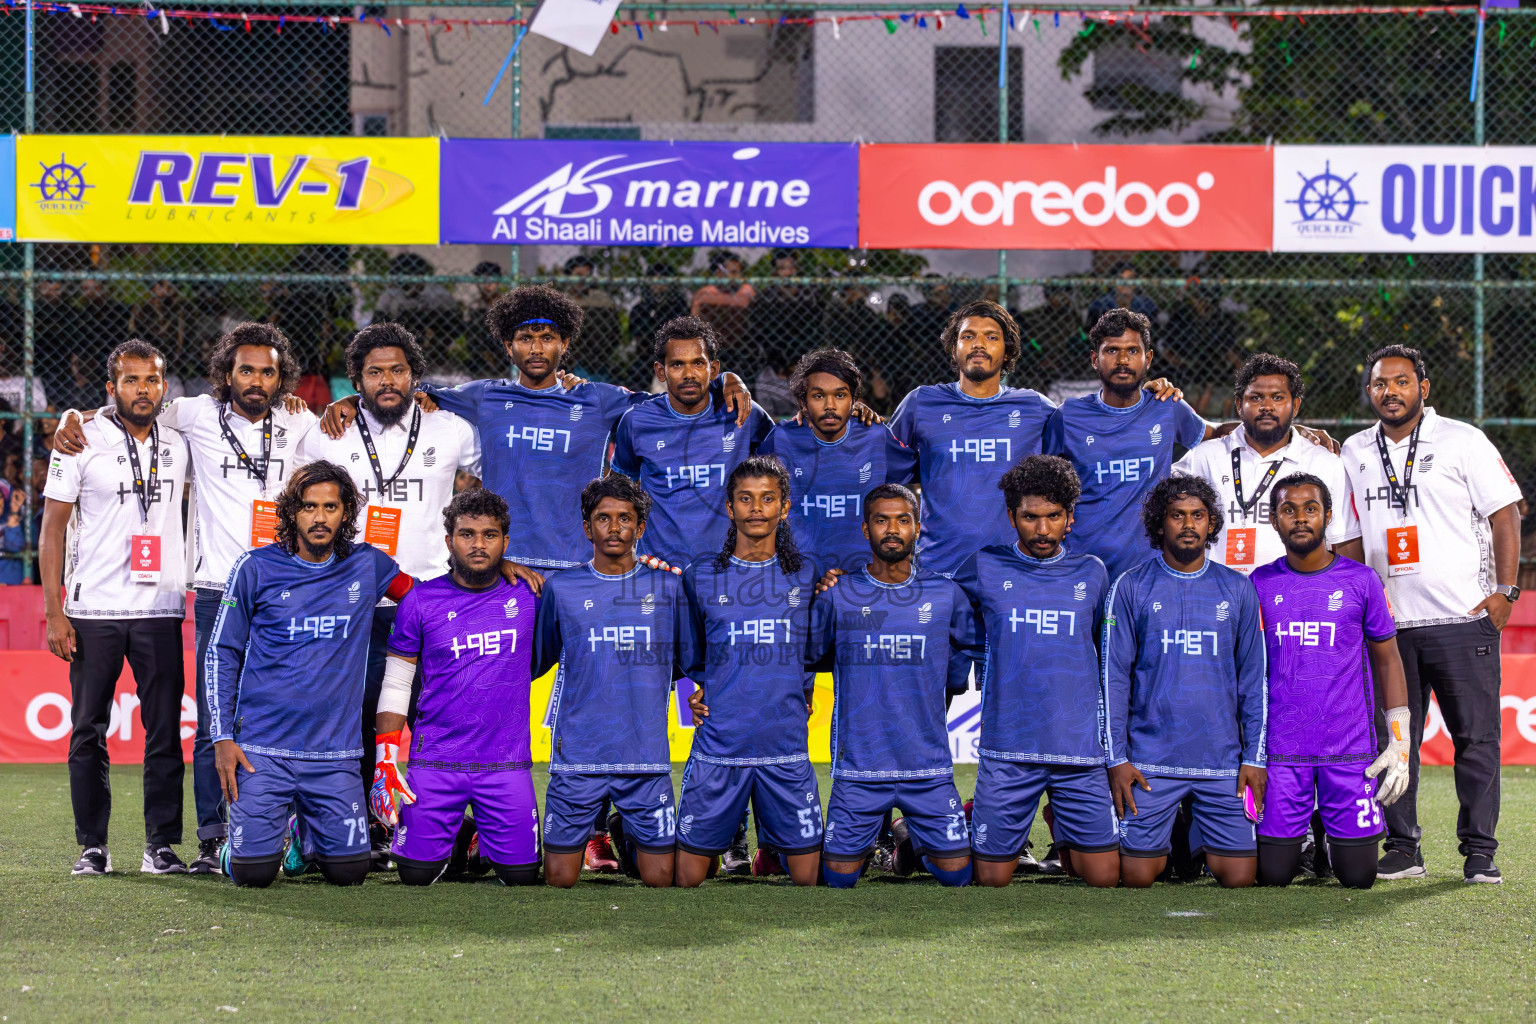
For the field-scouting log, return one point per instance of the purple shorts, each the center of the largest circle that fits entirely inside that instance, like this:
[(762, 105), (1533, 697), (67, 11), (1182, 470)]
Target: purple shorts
[(1346, 798), (506, 815)]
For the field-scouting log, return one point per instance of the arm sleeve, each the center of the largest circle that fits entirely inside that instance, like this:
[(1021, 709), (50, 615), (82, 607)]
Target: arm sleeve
[(462, 401), (682, 632), (1379, 624), (965, 641), (769, 444), (1119, 658), (64, 477), (15, 538), (176, 413), (226, 648), (696, 648), (1489, 481), (1190, 464), (1346, 508), (405, 635), (547, 641), (388, 570), (819, 645), (1252, 681), (624, 458), (1344, 525), (469, 447), (1190, 429), (903, 421), (1053, 438), (900, 461), (759, 427)]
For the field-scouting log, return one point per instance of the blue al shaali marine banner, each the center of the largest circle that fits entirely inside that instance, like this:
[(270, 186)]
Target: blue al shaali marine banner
[(7, 188), (582, 192)]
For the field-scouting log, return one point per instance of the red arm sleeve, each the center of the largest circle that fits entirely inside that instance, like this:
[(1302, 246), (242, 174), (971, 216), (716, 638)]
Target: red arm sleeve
[(400, 586)]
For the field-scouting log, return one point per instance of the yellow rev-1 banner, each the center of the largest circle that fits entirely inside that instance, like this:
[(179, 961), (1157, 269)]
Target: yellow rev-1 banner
[(239, 188)]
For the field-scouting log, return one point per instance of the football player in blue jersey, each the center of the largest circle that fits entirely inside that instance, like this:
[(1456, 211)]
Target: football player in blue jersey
[(749, 611), (1120, 441), (899, 642), (682, 446), (621, 634), (1185, 693), (286, 735), (1041, 605), (833, 458)]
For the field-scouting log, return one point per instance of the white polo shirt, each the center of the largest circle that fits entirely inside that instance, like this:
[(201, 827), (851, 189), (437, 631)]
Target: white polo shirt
[(1458, 481), (1247, 539), (226, 487), (419, 488), (99, 482)]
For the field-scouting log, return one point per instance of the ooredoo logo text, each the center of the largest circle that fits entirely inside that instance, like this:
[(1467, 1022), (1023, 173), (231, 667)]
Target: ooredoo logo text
[(1055, 203)]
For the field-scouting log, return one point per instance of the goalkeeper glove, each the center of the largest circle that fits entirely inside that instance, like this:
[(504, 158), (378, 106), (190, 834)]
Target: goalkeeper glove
[(1392, 765), (387, 783)]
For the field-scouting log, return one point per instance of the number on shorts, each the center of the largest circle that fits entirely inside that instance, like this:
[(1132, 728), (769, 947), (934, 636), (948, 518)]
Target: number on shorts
[(666, 820), (1369, 815), (808, 817), (955, 831)]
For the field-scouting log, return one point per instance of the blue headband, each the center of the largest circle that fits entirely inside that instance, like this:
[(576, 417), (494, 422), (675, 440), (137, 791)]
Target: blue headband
[(536, 320)]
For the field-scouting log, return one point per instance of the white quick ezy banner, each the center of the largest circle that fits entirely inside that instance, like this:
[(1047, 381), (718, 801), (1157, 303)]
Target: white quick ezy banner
[(1410, 199)]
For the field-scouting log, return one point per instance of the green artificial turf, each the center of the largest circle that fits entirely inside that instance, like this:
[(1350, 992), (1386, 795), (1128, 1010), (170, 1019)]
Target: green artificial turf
[(181, 949)]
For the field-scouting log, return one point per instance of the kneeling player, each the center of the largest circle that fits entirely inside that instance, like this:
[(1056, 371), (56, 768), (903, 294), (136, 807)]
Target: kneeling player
[(1041, 606), (749, 611), (1323, 614), (619, 630), (1184, 688), (472, 631), (286, 662), (898, 641)]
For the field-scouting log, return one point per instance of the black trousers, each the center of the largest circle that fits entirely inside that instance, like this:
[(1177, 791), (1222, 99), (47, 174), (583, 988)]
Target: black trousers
[(153, 650), (1459, 663)]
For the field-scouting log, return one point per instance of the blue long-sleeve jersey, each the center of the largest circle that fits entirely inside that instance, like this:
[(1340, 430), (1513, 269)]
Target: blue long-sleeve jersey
[(893, 650), (1119, 455), (829, 481), (540, 448), (683, 463), (1040, 697), (1184, 671), (750, 623), (964, 446), (620, 642), (289, 652)]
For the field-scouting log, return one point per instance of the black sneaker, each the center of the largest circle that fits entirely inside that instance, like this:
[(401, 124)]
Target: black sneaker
[(161, 860), (94, 860), (884, 854), (735, 861), (1481, 868), (621, 848), (904, 858), (1050, 864), (207, 860), (1395, 864), (380, 838)]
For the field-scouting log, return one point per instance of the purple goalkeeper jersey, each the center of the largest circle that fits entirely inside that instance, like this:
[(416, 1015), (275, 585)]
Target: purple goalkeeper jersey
[(1322, 704), (476, 650)]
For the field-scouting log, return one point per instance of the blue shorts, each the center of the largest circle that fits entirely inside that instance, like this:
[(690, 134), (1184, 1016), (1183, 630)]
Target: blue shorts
[(1220, 826), (931, 809), (327, 795), (786, 804), (644, 801), (1008, 794)]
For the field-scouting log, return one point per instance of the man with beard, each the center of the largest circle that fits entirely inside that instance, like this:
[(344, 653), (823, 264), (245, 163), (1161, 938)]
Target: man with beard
[(242, 440), (1184, 694), (899, 642), (1324, 616), (119, 505), (1438, 522), (472, 633), (403, 462), (834, 458), (285, 684), (968, 433), (1242, 466), (1120, 441)]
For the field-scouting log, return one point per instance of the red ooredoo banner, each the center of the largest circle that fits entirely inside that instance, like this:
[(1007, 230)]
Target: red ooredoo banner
[(936, 196)]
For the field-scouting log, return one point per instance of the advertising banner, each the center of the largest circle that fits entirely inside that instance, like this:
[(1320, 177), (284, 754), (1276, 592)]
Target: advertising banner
[(249, 189), (1064, 197), (1407, 199), (590, 192)]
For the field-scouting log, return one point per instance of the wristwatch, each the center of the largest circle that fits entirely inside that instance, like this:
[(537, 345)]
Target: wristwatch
[(1512, 593)]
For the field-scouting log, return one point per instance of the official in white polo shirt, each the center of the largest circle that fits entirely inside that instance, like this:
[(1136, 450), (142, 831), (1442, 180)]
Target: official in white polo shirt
[(1243, 466), (403, 462), (112, 539), (1438, 521), (242, 439)]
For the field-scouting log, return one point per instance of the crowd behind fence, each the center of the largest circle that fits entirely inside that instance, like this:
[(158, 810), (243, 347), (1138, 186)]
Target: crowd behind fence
[(772, 72)]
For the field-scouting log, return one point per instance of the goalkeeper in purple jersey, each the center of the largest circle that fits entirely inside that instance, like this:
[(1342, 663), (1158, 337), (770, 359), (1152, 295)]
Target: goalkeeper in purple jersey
[(1329, 635), (472, 631)]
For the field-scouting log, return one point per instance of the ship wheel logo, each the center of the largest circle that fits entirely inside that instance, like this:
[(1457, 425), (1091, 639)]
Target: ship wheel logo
[(1326, 197), (62, 182)]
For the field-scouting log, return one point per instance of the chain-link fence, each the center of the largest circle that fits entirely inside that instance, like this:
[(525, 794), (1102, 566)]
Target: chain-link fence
[(753, 72)]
